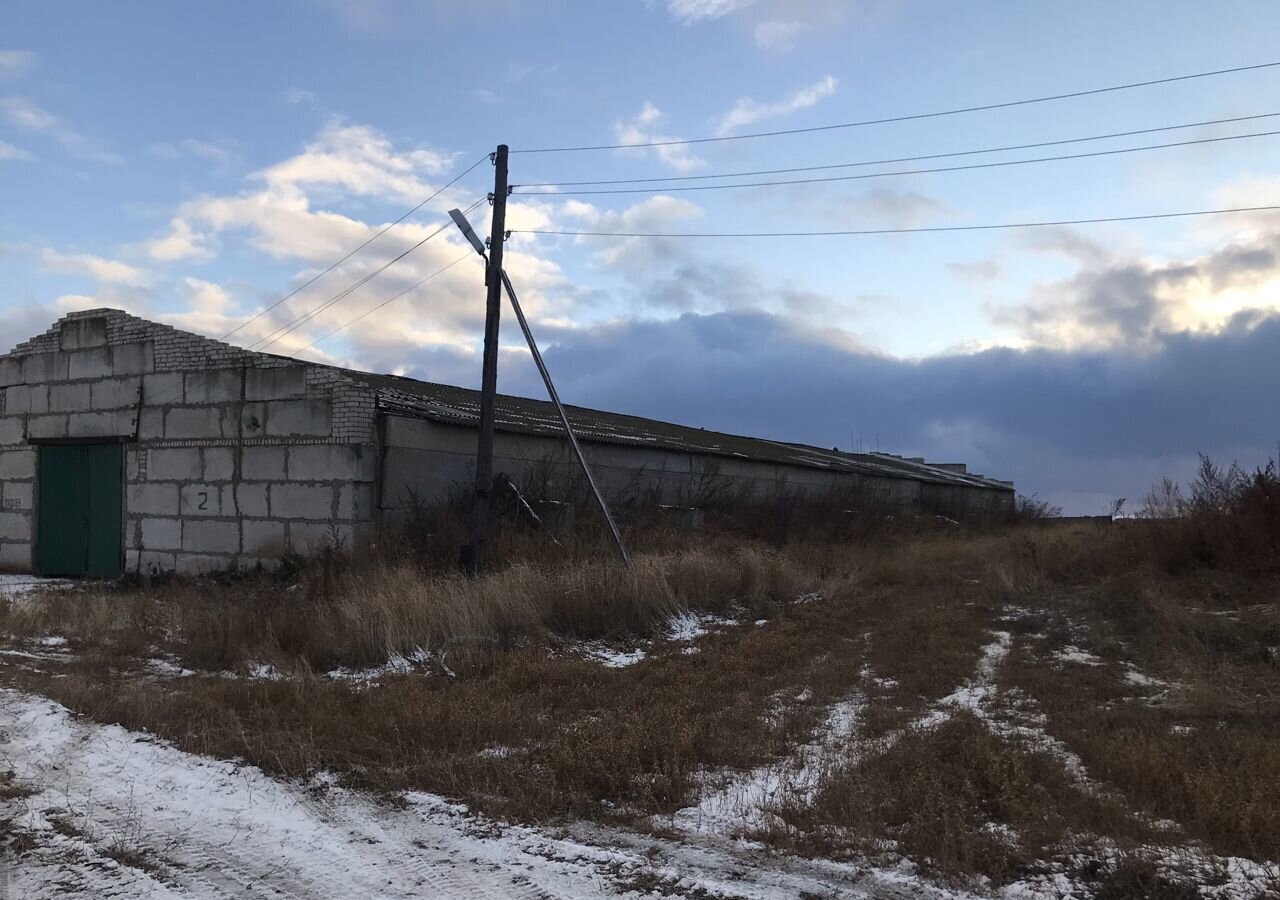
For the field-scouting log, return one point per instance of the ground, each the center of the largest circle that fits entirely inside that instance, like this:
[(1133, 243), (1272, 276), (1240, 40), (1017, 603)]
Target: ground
[(1026, 714), (115, 814)]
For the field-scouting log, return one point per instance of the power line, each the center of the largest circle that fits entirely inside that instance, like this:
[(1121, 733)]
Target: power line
[(285, 330), (964, 168), (901, 159), (872, 231), (412, 287), (908, 118), (339, 262)]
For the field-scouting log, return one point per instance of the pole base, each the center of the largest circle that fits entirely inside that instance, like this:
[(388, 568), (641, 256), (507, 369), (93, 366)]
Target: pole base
[(469, 560)]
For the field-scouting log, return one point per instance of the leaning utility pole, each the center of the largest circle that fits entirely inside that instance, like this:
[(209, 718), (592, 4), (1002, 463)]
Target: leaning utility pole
[(460, 219), (473, 553)]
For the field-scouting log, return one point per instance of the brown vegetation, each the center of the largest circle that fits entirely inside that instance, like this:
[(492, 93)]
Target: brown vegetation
[(1149, 650)]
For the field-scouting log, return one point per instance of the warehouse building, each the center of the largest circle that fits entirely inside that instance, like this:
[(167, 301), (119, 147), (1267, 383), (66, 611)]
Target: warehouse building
[(130, 446)]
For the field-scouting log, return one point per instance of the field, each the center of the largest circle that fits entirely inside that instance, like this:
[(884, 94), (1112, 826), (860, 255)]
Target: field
[(914, 707)]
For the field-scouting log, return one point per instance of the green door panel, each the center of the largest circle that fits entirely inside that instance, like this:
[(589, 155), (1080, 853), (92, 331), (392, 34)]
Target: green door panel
[(103, 464), (62, 538), (79, 510)]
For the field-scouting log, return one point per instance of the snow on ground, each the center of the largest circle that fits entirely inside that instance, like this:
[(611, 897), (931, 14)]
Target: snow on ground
[(396, 665), (976, 693), (1073, 654), (18, 586), (610, 656), (681, 629), (691, 626), (118, 814), (1141, 679), (732, 803)]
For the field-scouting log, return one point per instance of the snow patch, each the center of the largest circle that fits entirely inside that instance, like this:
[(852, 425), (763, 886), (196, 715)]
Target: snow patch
[(14, 587), (734, 802), (399, 664), (167, 668), (1073, 654), (612, 657)]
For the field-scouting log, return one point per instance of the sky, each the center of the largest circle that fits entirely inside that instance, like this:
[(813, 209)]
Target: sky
[(196, 163)]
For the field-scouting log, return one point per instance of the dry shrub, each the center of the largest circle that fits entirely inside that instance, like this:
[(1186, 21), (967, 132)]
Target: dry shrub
[(1229, 520)]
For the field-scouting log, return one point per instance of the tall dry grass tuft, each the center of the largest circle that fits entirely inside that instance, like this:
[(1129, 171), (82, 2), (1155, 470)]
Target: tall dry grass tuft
[(364, 614)]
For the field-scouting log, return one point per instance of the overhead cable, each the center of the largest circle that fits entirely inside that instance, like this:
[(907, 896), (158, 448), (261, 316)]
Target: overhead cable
[(922, 230), (899, 159), (904, 118), (389, 300), (287, 329), (833, 178), (353, 252)]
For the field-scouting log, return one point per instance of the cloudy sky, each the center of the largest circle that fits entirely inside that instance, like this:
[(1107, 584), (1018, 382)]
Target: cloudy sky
[(194, 163)]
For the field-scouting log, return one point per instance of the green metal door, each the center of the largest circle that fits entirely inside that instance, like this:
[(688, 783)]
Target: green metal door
[(78, 513)]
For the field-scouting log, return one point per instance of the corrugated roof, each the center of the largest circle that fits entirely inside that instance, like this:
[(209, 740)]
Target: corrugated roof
[(461, 406)]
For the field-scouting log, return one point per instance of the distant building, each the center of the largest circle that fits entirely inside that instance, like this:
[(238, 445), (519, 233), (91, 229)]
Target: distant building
[(130, 446)]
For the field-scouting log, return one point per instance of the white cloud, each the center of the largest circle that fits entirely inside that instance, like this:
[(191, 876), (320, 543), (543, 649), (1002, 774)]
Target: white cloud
[(286, 211), (15, 61), (1130, 301), (8, 151), (688, 12), (207, 296), (656, 214), (224, 150), (108, 271), (299, 97), (747, 111), (22, 113), (776, 35), (181, 242), (773, 25), (642, 129), (359, 159), (28, 116), (344, 162)]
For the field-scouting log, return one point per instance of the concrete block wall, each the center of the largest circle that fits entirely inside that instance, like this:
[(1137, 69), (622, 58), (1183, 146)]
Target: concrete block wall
[(17, 503), (232, 457), (427, 460), (200, 507)]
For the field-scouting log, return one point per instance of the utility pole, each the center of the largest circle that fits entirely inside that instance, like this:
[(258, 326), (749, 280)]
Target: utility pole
[(472, 557), (468, 232)]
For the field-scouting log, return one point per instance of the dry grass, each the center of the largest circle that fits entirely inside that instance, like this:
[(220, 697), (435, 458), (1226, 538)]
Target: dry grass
[(362, 616), (526, 727), (531, 735), (1200, 745), (957, 798)]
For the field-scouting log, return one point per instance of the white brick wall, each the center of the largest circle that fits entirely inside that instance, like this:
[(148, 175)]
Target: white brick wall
[(234, 456)]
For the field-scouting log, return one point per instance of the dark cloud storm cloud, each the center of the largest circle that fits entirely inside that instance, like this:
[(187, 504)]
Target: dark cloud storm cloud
[(1076, 427)]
